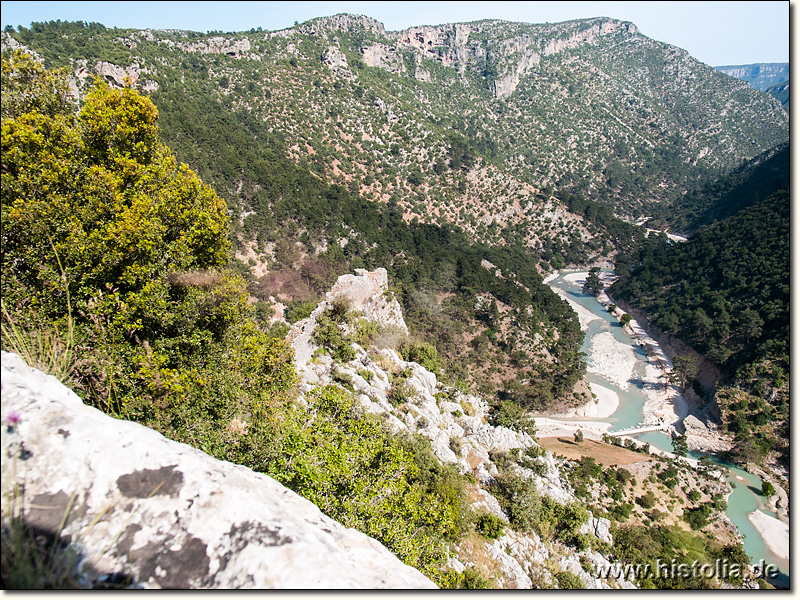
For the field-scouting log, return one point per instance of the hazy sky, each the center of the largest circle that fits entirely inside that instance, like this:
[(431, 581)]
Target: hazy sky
[(717, 33)]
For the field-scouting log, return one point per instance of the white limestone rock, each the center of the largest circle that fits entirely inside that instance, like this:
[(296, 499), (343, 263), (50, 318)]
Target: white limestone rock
[(178, 518)]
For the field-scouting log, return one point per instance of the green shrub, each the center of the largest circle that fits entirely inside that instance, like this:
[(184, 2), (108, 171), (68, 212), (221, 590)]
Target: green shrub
[(468, 579), (569, 581), (297, 310), (489, 525), (400, 393), (423, 353), (365, 332), (648, 500), (330, 332), (621, 511), (347, 463), (698, 517), (119, 239), (510, 414)]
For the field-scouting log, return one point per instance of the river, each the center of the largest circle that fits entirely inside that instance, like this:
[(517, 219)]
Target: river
[(746, 496)]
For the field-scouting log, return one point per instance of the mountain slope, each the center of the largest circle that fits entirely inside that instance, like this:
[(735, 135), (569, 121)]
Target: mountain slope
[(472, 124), (750, 183), (334, 141), (139, 272), (781, 93), (726, 292)]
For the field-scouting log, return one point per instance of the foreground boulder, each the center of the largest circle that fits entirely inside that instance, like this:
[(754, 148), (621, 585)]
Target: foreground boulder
[(153, 513)]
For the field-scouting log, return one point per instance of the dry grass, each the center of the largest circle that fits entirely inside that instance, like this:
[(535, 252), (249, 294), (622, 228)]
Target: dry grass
[(604, 454), (202, 278)]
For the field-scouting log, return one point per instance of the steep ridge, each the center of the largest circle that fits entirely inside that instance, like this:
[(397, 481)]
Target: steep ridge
[(147, 512), (589, 106)]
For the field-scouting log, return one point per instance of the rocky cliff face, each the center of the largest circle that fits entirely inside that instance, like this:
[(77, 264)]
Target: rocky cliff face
[(152, 513), (457, 425), (760, 75)]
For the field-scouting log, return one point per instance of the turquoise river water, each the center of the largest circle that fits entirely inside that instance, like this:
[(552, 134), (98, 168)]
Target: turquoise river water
[(746, 496)]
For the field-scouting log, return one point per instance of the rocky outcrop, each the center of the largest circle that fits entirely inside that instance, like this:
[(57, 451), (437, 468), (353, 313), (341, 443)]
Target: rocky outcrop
[(346, 23), (221, 45), (335, 58), (367, 293), (383, 57), (760, 75), (588, 36), (112, 74), (117, 75), (458, 427), (153, 513)]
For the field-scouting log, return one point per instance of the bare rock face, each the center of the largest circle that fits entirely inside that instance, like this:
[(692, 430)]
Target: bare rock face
[(117, 75), (335, 58), (384, 57), (114, 75), (160, 514), (221, 45), (368, 293)]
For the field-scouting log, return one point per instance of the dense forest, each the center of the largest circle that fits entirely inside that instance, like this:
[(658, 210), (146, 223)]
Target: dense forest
[(725, 196), (726, 292)]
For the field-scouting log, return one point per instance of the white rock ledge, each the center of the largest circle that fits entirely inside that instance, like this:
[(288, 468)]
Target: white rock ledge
[(172, 516)]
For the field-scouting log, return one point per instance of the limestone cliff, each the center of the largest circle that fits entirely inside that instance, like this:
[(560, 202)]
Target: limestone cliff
[(145, 512), (457, 425), (153, 513)]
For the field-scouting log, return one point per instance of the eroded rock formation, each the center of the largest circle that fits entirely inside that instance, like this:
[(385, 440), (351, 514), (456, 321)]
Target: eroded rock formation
[(142, 509)]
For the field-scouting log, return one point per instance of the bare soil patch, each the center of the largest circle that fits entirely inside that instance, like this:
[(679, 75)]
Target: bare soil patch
[(604, 454)]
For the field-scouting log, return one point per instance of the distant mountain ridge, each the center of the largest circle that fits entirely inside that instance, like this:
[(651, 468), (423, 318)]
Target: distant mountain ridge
[(760, 75), (781, 93), (474, 124)]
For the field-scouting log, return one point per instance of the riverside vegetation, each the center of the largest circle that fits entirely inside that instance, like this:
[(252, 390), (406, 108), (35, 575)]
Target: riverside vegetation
[(726, 292), (116, 251)]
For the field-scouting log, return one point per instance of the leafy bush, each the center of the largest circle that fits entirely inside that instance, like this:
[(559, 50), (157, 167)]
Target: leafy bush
[(569, 581), (298, 310), (528, 511), (330, 332), (349, 465), (489, 525), (468, 579), (102, 229), (647, 500), (510, 414), (423, 353), (638, 544), (621, 511), (698, 517), (400, 393)]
